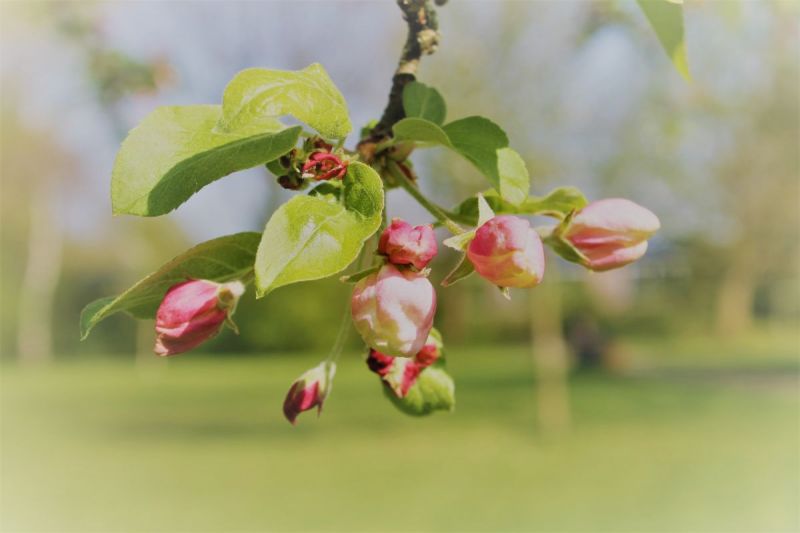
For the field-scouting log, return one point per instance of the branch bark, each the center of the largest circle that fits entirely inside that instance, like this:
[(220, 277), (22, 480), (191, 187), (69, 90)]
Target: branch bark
[(423, 38)]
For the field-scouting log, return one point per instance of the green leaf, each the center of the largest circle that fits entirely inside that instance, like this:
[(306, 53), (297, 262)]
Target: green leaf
[(421, 130), (463, 269), (422, 101), (309, 95), (433, 391), (666, 18), (513, 179), (480, 141), (312, 237), (276, 168), (468, 211), (176, 151), (557, 203), (222, 259)]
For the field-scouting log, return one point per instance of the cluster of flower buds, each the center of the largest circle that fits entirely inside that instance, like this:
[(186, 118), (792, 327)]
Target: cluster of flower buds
[(393, 308), (609, 233), (605, 234), (316, 161), (309, 390), (194, 311), (400, 373)]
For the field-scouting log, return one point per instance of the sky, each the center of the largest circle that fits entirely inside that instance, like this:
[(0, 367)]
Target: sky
[(569, 97)]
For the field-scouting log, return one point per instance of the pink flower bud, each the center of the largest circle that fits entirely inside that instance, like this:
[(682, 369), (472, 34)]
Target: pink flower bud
[(192, 312), (397, 373), (404, 244), (507, 252), (324, 166), (309, 391), (393, 310), (611, 233)]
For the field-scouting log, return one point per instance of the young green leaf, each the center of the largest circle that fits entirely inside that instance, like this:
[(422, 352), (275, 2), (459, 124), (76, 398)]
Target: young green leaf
[(666, 18), (222, 259), (434, 390), (422, 101), (557, 203), (480, 141), (421, 130), (309, 95), (176, 151), (312, 237), (463, 269)]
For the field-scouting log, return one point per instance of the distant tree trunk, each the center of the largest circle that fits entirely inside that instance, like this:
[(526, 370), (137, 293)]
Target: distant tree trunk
[(735, 297), (40, 279), (550, 356)]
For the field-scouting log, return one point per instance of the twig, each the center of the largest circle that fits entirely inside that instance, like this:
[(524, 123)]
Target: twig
[(423, 38)]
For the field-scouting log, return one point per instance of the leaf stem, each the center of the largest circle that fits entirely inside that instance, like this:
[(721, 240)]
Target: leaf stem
[(414, 191)]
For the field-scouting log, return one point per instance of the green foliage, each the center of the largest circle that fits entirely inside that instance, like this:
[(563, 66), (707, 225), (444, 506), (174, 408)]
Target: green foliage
[(222, 259), (176, 151), (425, 102), (433, 391), (312, 237), (308, 95), (558, 203), (482, 142), (666, 18), (462, 270)]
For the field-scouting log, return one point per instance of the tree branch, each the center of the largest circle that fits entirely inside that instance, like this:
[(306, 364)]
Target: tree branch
[(423, 38)]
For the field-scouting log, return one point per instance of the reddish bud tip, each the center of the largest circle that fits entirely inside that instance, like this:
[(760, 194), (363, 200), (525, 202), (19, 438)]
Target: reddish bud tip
[(397, 373), (404, 244), (309, 391), (192, 312), (324, 166)]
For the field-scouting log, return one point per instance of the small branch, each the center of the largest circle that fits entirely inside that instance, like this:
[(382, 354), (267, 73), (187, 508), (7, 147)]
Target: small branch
[(432, 208), (423, 38)]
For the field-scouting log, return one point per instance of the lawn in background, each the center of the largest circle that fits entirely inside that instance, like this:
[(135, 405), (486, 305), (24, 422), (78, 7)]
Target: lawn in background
[(200, 444)]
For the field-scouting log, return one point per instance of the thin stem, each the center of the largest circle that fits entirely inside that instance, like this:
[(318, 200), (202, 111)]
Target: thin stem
[(341, 335), (414, 191)]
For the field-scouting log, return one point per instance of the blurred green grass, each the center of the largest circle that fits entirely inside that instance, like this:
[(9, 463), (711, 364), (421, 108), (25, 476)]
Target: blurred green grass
[(199, 444)]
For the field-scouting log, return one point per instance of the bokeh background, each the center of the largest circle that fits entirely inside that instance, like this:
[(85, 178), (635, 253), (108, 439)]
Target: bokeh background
[(661, 397)]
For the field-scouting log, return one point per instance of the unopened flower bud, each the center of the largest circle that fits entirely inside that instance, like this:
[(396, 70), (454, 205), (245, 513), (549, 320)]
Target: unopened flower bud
[(507, 252), (309, 391), (393, 310), (405, 244), (397, 373), (192, 312), (611, 233), (324, 166)]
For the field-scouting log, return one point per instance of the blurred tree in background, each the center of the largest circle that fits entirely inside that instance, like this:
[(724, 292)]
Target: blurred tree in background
[(584, 90)]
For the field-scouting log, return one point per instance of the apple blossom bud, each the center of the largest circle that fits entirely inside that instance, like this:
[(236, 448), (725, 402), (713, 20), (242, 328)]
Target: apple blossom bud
[(324, 166), (397, 373), (192, 312), (507, 252), (405, 244), (309, 390), (611, 233), (393, 310)]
